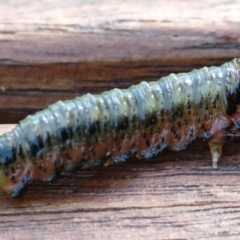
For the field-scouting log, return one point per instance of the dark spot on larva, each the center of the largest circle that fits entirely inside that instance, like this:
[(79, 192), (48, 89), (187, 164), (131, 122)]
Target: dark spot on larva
[(64, 135), (233, 98), (158, 147), (92, 129), (200, 105), (122, 136), (151, 130), (185, 122), (160, 113), (13, 179), (176, 135), (77, 131), (48, 139), (98, 128), (28, 175), (175, 114), (198, 119), (40, 154), (231, 138), (179, 112), (226, 137), (144, 134), (115, 138), (66, 155), (188, 106), (133, 119), (189, 112), (70, 132), (207, 136), (179, 124), (105, 125), (8, 156), (202, 126), (238, 123), (132, 145), (214, 103), (147, 142), (12, 169), (206, 106), (162, 139), (20, 151), (153, 119), (40, 166), (228, 127), (122, 124), (190, 132)]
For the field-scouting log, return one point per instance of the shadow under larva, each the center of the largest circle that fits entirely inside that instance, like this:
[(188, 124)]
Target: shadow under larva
[(143, 120)]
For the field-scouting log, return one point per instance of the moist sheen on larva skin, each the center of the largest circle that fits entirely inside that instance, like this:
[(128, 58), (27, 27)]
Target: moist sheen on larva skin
[(143, 120)]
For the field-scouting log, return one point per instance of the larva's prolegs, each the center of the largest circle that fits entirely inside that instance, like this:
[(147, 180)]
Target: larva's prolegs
[(216, 152), (95, 130)]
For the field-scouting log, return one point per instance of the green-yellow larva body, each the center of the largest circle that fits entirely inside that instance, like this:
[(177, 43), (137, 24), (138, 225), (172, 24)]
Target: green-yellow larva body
[(142, 120)]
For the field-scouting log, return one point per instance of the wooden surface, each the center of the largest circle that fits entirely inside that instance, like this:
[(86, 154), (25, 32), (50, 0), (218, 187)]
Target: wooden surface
[(51, 50)]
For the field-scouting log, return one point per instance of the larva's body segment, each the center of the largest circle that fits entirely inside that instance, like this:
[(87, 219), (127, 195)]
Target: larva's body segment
[(142, 120)]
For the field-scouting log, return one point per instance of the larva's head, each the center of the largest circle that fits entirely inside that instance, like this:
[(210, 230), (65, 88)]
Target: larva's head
[(11, 177)]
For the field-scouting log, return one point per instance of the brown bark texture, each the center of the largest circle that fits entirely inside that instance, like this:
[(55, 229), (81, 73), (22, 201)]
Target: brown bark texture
[(57, 50)]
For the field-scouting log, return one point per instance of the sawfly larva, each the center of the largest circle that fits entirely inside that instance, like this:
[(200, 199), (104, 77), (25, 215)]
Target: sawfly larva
[(93, 130)]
